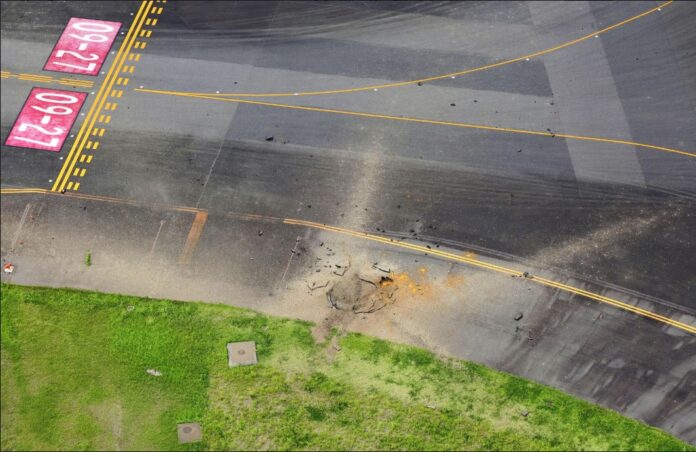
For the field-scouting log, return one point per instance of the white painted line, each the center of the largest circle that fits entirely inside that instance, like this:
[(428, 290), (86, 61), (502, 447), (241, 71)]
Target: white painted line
[(21, 223)]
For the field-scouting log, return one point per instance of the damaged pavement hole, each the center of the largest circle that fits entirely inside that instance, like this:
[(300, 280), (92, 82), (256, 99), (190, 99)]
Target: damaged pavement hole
[(361, 295)]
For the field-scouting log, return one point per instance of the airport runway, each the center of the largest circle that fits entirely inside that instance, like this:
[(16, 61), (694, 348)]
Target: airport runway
[(553, 138)]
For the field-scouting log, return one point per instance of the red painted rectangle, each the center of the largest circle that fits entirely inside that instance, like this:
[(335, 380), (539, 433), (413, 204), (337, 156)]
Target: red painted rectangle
[(46, 119), (83, 46)]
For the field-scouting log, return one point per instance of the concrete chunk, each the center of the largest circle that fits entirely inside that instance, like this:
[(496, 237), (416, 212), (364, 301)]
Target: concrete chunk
[(189, 432), (241, 353)]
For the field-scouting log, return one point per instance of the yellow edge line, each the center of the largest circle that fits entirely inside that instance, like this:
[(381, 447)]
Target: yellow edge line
[(424, 121), (455, 74), (419, 248), (82, 135)]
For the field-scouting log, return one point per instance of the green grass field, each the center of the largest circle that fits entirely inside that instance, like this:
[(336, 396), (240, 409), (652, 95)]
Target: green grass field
[(74, 377)]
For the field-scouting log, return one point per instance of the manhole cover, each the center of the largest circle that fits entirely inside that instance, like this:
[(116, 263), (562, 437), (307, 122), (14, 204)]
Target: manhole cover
[(189, 432), (241, 353)]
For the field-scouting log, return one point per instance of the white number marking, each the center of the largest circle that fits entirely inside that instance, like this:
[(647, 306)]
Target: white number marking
[(90, 66), (54, 110), (53, 143), (43, 97), (82, 46), (90, 37), (24, 126), (91, 26), (93, 56), (45, 120)]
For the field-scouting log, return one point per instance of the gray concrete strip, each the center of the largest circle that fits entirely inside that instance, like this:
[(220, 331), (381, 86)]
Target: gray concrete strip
[(583, 88)]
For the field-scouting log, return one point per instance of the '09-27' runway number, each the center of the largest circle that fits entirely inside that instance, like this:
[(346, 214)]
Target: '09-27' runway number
[(48, 114)]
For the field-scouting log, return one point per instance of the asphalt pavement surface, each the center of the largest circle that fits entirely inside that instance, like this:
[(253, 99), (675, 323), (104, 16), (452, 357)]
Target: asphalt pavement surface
[(577, 160)]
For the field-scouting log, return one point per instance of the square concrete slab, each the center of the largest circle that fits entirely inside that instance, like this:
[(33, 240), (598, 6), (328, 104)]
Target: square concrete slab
[(189, 432), (241, 353)]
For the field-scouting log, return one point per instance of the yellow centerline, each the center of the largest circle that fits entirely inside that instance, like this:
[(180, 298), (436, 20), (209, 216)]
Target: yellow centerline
[(410, 246), (423, 121), (98, 103), (453, 74)]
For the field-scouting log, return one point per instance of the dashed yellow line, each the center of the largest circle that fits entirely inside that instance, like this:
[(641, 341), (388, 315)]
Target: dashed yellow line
[(527, 57), (426, 121), (466, 259)]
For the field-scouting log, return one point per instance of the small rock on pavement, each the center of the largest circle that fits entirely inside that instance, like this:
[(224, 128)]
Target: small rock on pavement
[(270, 138), (518, 316)]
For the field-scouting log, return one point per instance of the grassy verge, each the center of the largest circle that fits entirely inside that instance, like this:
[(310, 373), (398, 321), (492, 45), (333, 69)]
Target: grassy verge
[(74, 377)]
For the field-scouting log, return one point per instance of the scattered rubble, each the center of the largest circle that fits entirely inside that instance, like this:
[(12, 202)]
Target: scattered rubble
[(376, 266), (315, 286), (518, 316), (341, 271)]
